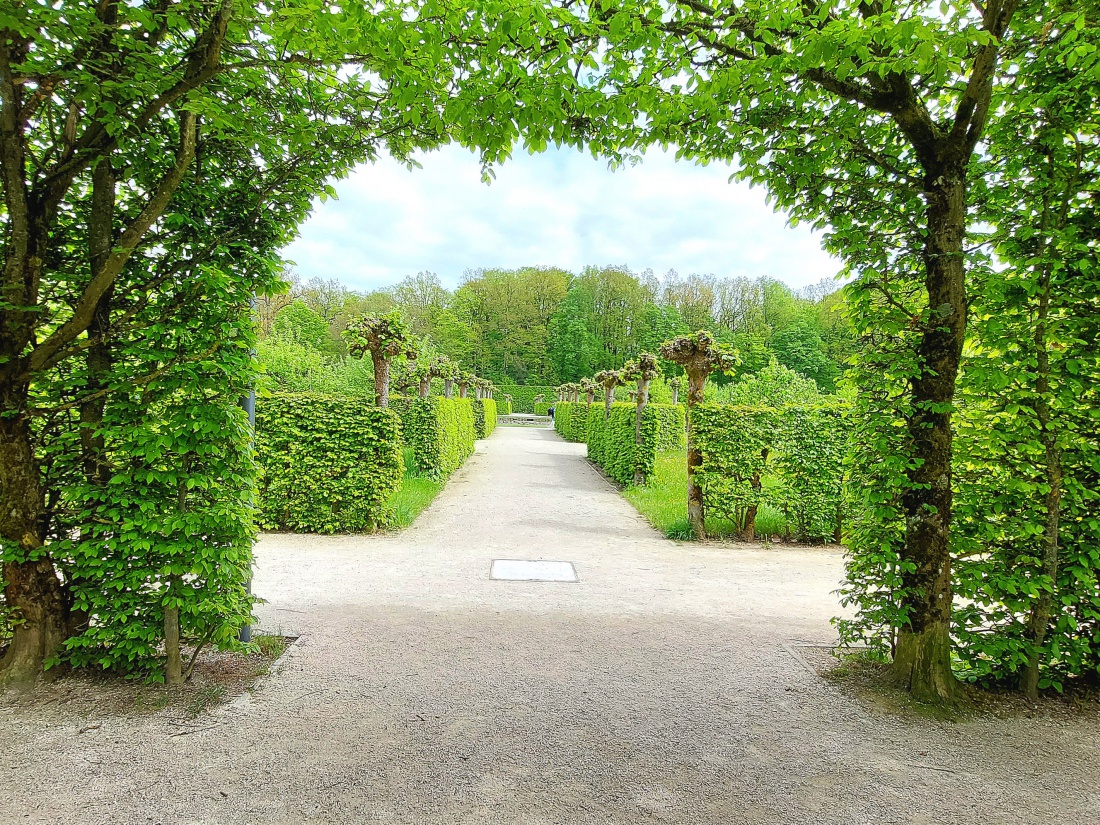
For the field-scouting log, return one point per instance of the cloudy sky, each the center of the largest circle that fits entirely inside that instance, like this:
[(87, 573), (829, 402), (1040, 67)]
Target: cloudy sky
[(559, 208)]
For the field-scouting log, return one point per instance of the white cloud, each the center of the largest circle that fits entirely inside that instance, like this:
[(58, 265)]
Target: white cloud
[(558, 208)]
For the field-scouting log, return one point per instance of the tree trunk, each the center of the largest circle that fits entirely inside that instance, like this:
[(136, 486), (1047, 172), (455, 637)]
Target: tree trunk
[(463, 389), (32, 590), (696, 514), (608, 400), (639, 411), (425, 387), (675, 394), (173, 665), (922, 661), (448, 387), (381, 379)]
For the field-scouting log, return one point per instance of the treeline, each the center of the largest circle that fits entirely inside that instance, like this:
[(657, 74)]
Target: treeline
[(545, 325)]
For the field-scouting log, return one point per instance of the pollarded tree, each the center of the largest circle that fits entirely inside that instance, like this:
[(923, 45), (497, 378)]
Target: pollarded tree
[(446, 369), (675, 384), (641, 370), (464, 379), (589, 387), (609, 380), (699, 355), (382, 337)]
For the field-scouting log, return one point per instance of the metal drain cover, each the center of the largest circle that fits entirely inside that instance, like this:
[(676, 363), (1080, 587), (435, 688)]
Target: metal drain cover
[(517, 570)]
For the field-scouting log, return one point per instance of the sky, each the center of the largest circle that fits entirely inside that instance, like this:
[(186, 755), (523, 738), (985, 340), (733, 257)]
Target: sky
[(559, 208)]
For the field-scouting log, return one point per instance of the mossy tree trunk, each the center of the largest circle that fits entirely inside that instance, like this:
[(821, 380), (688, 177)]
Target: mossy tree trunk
[(381, 378)]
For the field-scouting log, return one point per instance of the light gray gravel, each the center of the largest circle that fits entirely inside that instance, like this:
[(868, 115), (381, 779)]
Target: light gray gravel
[(660, 688)]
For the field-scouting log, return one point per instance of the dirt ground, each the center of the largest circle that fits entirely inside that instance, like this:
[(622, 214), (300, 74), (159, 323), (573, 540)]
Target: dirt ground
[(668, 685)]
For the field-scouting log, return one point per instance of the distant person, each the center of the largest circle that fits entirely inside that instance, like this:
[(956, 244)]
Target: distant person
[(551, 411)]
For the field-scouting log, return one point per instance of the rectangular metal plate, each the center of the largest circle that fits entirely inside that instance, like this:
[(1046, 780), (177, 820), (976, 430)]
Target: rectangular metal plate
[(533, 571)]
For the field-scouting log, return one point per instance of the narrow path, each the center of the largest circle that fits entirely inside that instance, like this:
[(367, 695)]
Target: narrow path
[(661, 688)]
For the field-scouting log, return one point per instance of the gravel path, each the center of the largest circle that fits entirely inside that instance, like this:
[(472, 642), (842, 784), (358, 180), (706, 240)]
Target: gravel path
[(664, 687)]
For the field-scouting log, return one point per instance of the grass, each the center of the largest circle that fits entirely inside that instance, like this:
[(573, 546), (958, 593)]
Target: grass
[(663, 502), (417, 491)]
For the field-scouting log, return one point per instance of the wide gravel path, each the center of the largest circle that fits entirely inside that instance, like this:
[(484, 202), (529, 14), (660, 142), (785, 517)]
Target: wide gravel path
[(665, 687)]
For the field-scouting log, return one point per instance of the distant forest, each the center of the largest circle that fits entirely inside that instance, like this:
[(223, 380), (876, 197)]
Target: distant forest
[(545, 326)]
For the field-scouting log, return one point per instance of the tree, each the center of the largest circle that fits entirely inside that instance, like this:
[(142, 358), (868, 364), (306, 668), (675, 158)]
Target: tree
[(382, 338), (609, 380), (641, 370), (863, 117), (296, 323), (699, 355)]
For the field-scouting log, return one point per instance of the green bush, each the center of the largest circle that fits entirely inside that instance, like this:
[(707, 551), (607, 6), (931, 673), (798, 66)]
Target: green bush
[(523, 396), (542, 408), (504, 406), (330, 464), (612, 444), (570, 420), (789, 458), (440, 431), (485, 416)]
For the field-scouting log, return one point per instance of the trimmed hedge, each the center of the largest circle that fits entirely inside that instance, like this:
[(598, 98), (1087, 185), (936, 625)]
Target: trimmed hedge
[(612, 444), (542, 408), (791, 458), (440, 431), (504, 407), (523, 396), (570, 420), (330, 464), (485, 416)]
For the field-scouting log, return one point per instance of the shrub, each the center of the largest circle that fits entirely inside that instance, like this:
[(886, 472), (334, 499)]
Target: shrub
[(485, 416), (789, 458), (330, 465), (439, 430), (611, 444), (523, 396), (504, 407), (542, 408), (570, 420)]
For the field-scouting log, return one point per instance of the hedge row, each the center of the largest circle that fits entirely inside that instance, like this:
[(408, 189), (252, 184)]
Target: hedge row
[(440, 431), (504, 406), (571, 420), (523, 396), (791, 458), (330, 464), (542, 408), (611, 444), (485, 416)]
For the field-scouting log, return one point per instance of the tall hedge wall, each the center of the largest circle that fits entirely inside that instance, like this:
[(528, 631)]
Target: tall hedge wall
[(523, 396), (795, 454), (504, 406), (612, 444), (330, 464), (485, 416), (542, 408), (440, 431)]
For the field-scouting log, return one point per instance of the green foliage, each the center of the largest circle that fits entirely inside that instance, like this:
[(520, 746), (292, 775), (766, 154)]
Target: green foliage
[(439, 430), (330, 465), (661, 500), (485, 416), (523, 397), (571, 420), (296, 323), (790, 458), (504, 407), (612, 444), (542, 408), (775, 385)]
